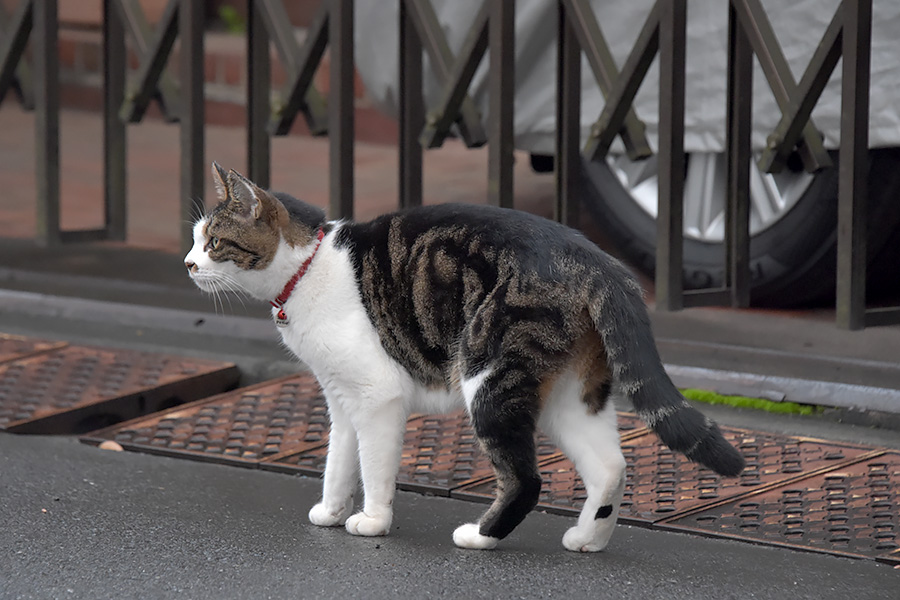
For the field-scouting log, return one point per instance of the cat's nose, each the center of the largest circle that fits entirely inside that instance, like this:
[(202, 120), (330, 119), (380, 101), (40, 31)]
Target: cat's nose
[(191, 266)]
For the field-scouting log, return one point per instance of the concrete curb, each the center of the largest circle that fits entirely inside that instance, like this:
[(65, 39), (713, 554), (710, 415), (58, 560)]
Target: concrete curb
[(207, 325)]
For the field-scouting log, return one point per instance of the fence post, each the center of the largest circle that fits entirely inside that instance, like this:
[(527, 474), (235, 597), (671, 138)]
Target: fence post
[(412, 111), (46, 118), (114, 135), (670, 221), (190, 27), (502, 42), (340, 108), (853, 167), (259, 146), (568, 120)]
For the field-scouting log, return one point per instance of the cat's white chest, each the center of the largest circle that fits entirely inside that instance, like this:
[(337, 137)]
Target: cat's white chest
[(326, 326)]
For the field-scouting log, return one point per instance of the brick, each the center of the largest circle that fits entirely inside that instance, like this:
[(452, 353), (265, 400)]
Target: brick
[(233, 68)]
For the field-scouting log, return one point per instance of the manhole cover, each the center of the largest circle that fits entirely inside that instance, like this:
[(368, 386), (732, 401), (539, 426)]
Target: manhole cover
[(74, 389), (241, 427)]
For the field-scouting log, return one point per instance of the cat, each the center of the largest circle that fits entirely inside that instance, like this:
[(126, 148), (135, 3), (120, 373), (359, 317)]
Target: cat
[(518, 319)]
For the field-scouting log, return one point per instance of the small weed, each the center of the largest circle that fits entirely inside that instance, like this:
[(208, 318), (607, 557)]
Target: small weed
[(232, 20)]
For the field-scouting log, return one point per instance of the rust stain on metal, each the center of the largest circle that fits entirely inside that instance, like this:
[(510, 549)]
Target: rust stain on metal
[(852, 510), (243, 426), (54, 391), (14, 347)]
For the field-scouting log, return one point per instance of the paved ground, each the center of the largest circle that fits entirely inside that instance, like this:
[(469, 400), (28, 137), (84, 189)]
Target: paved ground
[(79, 522)]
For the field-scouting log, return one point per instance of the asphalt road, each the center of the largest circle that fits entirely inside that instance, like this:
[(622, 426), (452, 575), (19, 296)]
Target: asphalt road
[(79, 522)]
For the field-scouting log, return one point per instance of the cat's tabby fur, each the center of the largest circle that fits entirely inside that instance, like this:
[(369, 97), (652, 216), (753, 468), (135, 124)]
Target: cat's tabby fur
[(522, 321)]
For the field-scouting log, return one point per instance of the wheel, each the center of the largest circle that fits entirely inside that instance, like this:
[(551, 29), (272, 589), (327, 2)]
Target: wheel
[(792, 225)]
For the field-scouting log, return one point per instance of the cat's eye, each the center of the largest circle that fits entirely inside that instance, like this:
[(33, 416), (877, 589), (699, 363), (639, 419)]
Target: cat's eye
[(214, 243)]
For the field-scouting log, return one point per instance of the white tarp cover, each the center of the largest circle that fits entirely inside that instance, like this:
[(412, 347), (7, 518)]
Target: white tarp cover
[(798, 24)]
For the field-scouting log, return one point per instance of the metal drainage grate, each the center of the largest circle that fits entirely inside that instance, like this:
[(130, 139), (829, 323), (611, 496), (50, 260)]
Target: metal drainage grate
[(661, 483), (14, 347), (74, 389), (440, 454), (240, 427), (852, 510)]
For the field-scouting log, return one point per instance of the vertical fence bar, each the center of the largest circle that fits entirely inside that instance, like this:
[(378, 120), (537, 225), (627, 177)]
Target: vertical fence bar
[(114, 140), (568, 121), (412, 111), (259, 145), (340, 108), (739, 96), (46, 100), (190, 30), (670, 222), (502, 43), (852, 184)]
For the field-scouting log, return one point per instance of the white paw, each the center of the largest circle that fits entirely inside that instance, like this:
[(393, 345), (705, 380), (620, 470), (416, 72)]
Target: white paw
[(467, 536), (322, 516), (363, 524), (586, 539)]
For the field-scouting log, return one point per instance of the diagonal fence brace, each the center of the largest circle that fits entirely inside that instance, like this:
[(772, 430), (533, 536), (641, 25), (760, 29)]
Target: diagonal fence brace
[(790, 128), (153, 49), (301, 63), (13, 68), (621, 94), (427, 26), (778, 73), (439, 120), (592, 42)]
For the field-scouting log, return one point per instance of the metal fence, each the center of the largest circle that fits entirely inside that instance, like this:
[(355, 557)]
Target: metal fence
[(663, 34)]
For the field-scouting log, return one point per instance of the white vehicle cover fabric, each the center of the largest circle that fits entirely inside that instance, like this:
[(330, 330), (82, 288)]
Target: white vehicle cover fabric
[(798, 24)]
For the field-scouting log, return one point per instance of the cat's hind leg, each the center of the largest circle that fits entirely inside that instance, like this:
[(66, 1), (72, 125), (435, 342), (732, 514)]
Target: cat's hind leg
[(503, 416), (585, 429)]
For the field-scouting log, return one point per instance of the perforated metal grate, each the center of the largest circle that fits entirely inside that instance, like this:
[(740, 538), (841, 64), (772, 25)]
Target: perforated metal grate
[(804, 493), (440, 454), (853, 510), (73, 389), (240, 427), (661, 483)]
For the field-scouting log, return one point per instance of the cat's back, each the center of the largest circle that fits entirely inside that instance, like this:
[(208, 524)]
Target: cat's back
[(470, 230)]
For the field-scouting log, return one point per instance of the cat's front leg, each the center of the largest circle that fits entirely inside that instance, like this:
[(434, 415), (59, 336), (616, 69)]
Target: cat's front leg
[(380, 435), (340, 472)]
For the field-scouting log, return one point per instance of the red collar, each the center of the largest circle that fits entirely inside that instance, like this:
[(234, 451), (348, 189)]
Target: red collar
[(289, 286)]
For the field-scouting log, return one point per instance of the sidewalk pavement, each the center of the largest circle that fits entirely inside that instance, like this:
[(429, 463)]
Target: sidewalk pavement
[(129, 525)]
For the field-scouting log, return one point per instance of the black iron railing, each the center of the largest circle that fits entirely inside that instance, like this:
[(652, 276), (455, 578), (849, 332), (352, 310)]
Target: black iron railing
[(750, 34)]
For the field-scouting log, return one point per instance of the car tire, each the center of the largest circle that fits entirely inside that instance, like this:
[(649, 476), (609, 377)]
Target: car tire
[(792, 262)]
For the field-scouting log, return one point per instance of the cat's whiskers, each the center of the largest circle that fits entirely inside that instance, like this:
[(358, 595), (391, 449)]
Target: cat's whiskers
[(220, 286), (197, 211)]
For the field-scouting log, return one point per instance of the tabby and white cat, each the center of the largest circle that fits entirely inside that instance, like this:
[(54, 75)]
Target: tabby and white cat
[(520, 320)]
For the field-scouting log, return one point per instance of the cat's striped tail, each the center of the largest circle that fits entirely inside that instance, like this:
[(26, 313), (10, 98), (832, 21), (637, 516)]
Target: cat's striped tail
[(620, 317)]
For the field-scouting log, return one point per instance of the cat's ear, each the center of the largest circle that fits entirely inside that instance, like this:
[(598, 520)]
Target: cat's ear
[(220, 178), (244, 193)]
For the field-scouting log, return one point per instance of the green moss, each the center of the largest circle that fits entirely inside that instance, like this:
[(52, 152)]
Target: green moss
[(791, 408)]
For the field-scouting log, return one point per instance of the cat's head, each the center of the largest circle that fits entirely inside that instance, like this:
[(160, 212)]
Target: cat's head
[(246, 242)]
